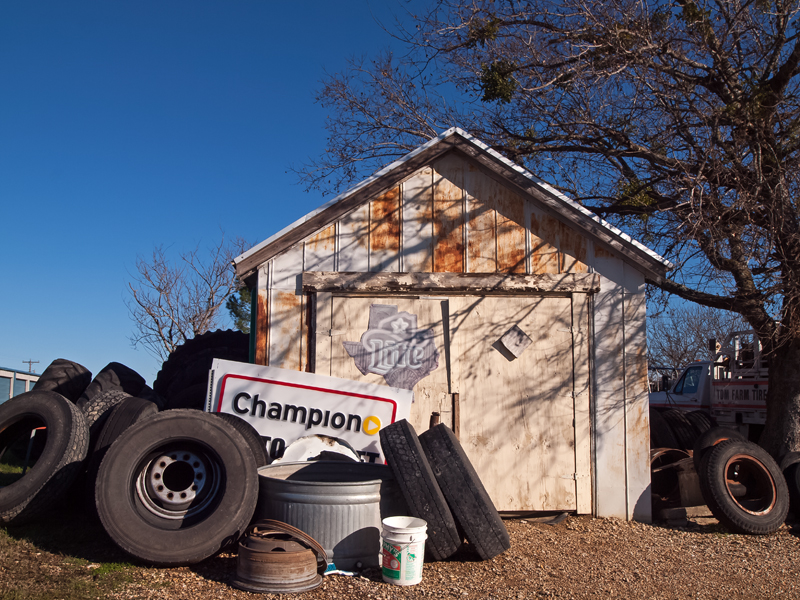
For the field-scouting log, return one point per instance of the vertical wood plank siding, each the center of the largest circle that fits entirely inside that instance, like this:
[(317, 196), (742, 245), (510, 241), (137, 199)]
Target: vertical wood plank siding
[(448, 215), (418, 223), (384, 236)]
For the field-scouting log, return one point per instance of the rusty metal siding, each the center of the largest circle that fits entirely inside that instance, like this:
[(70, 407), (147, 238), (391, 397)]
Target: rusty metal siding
[(448, 215), (511, 232), (418, 222), (384, 238), (481, 222), (320, 251), (572, 244)]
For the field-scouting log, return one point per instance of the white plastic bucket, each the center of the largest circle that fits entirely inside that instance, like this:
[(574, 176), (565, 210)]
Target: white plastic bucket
[(403, 550)]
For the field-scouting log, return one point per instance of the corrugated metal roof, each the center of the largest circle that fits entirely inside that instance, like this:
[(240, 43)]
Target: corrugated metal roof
[(454, 137)]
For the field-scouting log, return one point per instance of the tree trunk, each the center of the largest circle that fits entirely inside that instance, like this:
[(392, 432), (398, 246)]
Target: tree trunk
[(782, 429)]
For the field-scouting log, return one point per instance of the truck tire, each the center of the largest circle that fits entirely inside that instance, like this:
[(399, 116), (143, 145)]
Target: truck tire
[(416, 480), (472, 508), (711, 438), (254, 441), (113, 377), (792, 476), (701, 421), (661, 435), (97, 409), (128, 411), (183, 378), (64, 377), (685, 434), (58, 463), (788, 459), (177, 488), (743, 488)]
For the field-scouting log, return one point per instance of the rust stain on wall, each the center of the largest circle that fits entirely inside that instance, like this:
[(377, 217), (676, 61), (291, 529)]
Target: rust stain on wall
[(262, 327), (544, 255), (510, 232), (448, 216), (573, 250), (385, 222), (287, 327), (323, 241), (481, 222)]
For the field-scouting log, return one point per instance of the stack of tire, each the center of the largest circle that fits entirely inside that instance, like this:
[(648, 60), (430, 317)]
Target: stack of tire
[(170, 488), (441, 487), (677, 429)]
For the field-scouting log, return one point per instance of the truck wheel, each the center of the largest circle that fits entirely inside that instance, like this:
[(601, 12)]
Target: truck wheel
[(711, 438), (745, 490), (64, 377), (661, 435), (472, 508), (183, 378), (177, 487), (58, 461), (425, 500), (681, 427)]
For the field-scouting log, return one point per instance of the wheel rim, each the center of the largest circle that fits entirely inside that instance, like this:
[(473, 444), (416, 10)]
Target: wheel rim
[(181, 481), (750, 484)]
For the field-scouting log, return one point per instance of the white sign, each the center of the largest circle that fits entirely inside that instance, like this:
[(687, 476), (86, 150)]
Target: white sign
[(285, 405)]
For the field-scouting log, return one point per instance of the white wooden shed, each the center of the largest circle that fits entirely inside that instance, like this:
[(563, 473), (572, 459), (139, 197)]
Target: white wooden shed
[(535, 306)]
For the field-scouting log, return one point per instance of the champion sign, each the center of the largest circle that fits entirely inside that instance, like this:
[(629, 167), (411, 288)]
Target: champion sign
[(285, 405)]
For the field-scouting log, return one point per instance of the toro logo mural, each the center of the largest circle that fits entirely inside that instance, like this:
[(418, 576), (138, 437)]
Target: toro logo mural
[(393, 347)]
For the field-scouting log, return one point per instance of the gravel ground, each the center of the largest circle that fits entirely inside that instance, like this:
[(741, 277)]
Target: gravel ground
[(580, 557)]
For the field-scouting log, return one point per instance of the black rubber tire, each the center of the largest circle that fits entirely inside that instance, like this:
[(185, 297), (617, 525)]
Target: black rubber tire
[(416, 480), (760, 505), (701, 421), (683, 430), (183, 378), (661, 435), (98, 408), (250, 434), (788, 459), (64, 377), (113, 377), (61, 458), (709, 439), (792, 476), (469, 502), (182, 453), (128, 411), (147, 393)]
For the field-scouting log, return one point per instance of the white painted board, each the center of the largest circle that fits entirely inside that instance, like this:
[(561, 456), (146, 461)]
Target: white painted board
[(285, 405)]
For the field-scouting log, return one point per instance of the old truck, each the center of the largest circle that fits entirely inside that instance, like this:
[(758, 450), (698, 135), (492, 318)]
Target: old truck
[(732, 388)]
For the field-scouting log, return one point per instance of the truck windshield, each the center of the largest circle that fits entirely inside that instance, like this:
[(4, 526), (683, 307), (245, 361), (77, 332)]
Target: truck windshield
[(690, 381)]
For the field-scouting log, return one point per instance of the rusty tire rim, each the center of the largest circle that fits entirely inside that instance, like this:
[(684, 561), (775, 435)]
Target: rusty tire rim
[(750, 484)]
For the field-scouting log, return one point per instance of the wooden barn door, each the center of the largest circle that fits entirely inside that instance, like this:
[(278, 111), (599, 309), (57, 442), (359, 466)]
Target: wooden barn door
[(524, 415)]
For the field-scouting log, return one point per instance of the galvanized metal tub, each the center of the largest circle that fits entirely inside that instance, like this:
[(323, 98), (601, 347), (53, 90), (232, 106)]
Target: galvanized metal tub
[(340, 504)]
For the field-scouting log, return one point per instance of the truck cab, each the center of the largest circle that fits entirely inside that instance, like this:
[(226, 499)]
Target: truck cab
[(692, 390)]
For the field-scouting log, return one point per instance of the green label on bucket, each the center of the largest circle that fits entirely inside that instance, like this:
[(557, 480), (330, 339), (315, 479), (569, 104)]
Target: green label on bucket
[(391, 561)]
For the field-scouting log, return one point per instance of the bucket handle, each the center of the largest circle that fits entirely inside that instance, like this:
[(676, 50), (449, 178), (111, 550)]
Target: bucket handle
[(270, 525)]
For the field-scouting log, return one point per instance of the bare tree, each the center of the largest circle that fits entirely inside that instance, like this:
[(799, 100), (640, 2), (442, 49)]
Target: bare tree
[(172, 302), (679, 334), (677, 121)]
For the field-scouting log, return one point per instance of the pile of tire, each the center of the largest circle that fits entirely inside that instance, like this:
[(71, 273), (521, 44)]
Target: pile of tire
[(170, 488), (742, 485), (677, 429), (441, 486)]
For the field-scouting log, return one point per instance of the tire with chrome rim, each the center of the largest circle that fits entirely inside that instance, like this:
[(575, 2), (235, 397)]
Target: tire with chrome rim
[(177, 487)]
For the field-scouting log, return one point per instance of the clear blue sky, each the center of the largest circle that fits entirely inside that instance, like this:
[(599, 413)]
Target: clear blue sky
[(125, 125)]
